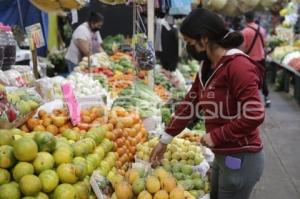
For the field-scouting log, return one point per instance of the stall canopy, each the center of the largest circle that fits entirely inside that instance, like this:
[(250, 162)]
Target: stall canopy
[(23, 13)]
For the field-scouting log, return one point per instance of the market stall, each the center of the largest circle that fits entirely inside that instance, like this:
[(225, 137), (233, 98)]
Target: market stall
[(90, 134), (284, 59)]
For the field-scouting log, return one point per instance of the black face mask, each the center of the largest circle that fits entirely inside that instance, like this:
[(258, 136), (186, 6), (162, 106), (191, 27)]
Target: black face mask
[(199, 56)]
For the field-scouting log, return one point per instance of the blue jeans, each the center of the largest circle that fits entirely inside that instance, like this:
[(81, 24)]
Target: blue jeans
[(70, 65)]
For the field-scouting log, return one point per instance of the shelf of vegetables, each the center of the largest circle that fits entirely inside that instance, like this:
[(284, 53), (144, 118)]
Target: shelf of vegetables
[(286, 66), (61, 160)]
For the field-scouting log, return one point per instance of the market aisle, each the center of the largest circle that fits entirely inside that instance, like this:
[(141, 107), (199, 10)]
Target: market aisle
[(281, 136)]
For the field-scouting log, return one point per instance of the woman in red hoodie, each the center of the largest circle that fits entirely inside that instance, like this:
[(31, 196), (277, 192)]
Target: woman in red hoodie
[(226, 89)]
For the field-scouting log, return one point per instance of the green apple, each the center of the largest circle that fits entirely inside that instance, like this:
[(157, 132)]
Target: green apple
[(196, 175), (184, 156), (193, 148), (165, 162), (198, 159), (173, 162), (172, 148), (183, 161), (198, 184), (176, 168), (187, 169), (191, 155), (191, 162), (176, 156)]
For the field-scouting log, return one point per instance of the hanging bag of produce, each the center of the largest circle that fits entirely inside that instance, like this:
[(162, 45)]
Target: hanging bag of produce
[(180, 7), (144, 54)]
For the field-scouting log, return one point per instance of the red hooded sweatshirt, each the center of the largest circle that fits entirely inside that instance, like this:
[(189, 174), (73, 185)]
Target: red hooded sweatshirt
[(231, 103)]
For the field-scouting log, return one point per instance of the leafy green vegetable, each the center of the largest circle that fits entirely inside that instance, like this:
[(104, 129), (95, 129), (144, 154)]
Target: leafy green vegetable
[(139, 96), (110, 41), (178, 94), (166, 114), (102, 79), (161, 79), (189, 69), (122, 65), (125, 63)]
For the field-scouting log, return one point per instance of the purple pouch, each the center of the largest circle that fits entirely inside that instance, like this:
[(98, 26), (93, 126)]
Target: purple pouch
[(233, 162)]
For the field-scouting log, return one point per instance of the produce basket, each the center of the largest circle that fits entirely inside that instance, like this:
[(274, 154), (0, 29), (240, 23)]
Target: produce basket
[(72, 4), (58, 5), (48, 6), (18, 122)]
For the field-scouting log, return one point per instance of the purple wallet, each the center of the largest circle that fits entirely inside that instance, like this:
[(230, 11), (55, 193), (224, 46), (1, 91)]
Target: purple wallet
[(233, 162)]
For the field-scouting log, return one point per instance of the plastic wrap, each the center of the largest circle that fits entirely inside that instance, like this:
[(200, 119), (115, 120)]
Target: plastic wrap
[(16, 104)]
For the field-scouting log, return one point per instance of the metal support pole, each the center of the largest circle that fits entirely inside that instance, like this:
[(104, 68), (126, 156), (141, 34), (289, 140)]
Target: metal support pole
[(150, 24), (20, 14)]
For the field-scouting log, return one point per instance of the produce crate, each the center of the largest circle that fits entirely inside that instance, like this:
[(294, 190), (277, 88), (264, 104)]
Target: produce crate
[(18, 122)]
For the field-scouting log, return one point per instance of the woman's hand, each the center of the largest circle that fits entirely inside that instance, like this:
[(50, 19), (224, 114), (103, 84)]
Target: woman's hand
[(157, 154), (207, 141)]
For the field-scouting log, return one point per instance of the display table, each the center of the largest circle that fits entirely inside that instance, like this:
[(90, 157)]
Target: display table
[(288, 73)]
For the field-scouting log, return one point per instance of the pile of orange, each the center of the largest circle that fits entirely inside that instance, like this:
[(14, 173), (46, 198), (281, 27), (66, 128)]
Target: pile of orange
[(58, 121), (126, 130)]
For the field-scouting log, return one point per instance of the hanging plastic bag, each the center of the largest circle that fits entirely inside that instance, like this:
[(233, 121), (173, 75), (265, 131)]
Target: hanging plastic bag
[(144, 52), (180, 7), (145, 55)]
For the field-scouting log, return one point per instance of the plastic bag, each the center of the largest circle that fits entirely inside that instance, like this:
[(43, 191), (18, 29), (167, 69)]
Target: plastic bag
[(202, 168), (49, 88), (180, 7), (145, 56), (3, 79), (144, 52), (15, 78), (26, 74), (16, 103)]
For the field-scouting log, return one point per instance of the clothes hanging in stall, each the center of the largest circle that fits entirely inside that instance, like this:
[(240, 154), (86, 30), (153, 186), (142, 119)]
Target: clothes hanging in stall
[(163, 5), (180, 7), (166, 44)]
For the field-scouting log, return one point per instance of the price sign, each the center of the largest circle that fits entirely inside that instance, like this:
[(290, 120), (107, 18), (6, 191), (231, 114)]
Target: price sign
[(35, 36), (72, 103)]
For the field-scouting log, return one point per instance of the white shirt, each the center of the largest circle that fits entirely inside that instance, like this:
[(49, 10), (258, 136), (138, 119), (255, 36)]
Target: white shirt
[(82, 32)]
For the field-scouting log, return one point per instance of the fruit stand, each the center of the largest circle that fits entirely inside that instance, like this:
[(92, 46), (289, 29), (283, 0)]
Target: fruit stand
[(106, 154), (94, 140), (284, 59)]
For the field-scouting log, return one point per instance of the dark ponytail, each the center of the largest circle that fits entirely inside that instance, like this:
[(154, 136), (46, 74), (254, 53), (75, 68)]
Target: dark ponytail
[(232, 40)]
